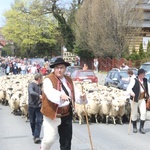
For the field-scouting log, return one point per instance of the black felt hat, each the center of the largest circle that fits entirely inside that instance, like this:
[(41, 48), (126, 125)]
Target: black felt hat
[(140, 71), (59, 61)]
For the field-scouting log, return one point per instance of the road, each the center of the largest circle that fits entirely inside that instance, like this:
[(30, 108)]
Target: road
[(15, 134)]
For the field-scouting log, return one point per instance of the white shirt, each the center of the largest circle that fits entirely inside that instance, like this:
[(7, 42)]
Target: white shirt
[(131, 85), (54, 95)]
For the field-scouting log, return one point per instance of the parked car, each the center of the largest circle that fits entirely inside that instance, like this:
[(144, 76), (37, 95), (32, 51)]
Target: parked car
[(147, 76), (84, 76), (71, 69), (118, 78), (146, 67)]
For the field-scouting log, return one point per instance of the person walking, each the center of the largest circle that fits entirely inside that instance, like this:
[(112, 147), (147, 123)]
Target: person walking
[(138, 89), (34, 101), (96, 63), (58, 97)]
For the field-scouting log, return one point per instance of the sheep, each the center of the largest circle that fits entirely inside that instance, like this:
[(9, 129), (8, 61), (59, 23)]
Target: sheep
[(114, 110), (24, 107), (127, 110), (92, 108), (15, 102), (121, 111), (104, 109), (79, 110), (3, 97)]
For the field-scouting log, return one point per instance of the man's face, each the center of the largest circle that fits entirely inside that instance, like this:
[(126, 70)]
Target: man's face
[(59, 70), (142, 75)]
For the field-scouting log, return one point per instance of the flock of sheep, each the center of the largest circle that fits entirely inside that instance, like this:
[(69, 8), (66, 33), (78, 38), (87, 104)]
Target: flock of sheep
[(14, 92), (104, 103)]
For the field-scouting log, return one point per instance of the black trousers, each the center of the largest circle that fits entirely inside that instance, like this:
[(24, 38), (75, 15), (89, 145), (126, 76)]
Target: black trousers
[(65, 132)]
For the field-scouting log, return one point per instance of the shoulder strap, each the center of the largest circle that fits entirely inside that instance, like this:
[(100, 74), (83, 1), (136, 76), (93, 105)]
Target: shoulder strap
[(65, 90), (143, 88)]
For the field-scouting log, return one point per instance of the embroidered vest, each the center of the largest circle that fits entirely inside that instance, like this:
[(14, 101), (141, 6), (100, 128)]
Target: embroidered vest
[(49, 109)]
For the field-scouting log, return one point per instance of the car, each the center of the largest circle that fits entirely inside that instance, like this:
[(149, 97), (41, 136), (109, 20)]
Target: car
[(147, 76), (71, 69), (146, 67), (118, 78), (84, 76)]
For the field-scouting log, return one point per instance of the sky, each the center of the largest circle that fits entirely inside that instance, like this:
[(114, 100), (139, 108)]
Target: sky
[(5, 5)]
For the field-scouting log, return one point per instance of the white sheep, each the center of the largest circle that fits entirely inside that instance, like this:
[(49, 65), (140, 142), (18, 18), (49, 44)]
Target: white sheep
[(104, 109), (114, 109), (121, 111), (15, 102), (79, 111), (24, 107), (92, 108)]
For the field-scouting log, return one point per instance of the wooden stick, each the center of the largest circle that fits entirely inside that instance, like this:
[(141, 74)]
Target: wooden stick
[(87, 122), (130, 117)]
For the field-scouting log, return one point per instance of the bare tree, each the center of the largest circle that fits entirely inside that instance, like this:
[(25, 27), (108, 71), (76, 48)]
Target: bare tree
[(107, 26)]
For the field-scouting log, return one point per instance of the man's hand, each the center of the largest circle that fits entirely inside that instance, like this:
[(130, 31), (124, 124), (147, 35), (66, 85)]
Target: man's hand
[(64, 97), (83, 96)]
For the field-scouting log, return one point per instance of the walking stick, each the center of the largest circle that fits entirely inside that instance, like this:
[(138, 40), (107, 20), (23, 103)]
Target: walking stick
[(130, 117), (87, 122)]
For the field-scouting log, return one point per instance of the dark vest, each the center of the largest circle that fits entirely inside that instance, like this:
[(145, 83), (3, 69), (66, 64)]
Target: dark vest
[(49, 109), (136, 89)]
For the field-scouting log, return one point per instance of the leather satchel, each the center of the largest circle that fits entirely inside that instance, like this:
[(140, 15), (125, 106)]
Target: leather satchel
[(147, 99)]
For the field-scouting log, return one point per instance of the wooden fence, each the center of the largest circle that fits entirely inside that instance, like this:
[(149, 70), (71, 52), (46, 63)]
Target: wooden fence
[(106, 64)]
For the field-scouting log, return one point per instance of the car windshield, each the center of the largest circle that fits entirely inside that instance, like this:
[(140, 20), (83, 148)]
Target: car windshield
[(86, 74), (146, 67), (124, 75), (71, 69)]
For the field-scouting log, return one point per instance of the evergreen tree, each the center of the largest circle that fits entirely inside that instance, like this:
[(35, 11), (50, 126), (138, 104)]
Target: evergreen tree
[(141, 51)]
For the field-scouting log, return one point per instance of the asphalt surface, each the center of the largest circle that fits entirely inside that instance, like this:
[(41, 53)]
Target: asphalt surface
[(15, 134)]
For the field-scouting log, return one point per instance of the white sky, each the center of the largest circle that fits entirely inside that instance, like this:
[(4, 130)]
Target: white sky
[(5, 5)]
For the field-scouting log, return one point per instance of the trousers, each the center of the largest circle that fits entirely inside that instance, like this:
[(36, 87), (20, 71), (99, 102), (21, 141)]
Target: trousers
[(61, 127), (142, 108), (36, 119)]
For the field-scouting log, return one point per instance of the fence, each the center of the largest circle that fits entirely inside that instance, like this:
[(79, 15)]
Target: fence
[(106, 64)]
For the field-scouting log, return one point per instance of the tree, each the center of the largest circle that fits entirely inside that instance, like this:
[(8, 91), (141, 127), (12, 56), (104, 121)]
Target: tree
[(141, 51), (27, 27), (106, 27)]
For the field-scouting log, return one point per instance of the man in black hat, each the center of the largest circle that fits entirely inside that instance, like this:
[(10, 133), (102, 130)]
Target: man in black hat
[(58, 97), (139, 91)]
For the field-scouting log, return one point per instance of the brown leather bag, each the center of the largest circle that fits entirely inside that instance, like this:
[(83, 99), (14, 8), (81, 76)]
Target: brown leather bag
[(147, 99), (148, 104)]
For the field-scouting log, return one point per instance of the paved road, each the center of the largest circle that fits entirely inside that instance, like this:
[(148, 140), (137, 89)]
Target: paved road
[(15, 134)]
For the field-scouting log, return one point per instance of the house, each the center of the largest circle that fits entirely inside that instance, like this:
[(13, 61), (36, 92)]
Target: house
[(143, 36)]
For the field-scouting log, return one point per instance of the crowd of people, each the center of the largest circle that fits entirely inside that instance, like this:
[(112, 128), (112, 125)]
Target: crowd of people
[(11, 65)]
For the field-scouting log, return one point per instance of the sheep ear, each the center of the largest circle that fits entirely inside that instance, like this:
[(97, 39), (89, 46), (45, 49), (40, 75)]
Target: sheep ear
[(10, 89)]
